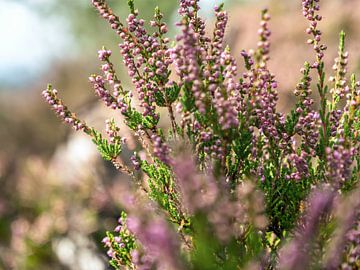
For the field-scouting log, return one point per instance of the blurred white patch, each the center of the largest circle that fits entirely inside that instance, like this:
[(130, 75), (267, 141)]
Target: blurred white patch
[(77, 253), (80, 150), (207, 6), (77, 159), (87, 261), (28, 42), (65, 250)]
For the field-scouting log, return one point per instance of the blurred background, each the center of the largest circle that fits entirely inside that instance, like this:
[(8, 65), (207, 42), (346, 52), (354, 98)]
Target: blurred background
[(57, 197)]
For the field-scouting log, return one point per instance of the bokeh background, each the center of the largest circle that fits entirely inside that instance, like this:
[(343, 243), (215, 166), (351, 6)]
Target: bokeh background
[(57, 197)]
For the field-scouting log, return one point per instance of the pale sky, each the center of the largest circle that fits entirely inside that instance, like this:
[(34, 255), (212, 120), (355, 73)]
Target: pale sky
[(28, 42)]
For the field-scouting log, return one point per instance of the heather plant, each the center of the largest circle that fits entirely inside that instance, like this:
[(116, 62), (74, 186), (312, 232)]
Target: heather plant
[(232, 183)]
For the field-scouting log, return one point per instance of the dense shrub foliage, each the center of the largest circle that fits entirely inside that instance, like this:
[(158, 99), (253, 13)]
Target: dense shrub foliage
[(232, 183)]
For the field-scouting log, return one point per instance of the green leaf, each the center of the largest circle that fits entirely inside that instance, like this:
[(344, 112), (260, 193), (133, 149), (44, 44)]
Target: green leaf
[(172, 93), (169, 96), (108, 151), (134, 119), (150, 122), (131, 6), (159, 99), (187, 100)]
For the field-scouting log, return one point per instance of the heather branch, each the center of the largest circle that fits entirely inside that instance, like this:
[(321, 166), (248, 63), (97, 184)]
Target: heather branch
[(233, 129), (109, 150), (340, 88), (310, 9)]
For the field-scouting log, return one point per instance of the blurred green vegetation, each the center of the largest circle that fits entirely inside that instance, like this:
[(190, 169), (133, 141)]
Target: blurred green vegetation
[(89, 30)]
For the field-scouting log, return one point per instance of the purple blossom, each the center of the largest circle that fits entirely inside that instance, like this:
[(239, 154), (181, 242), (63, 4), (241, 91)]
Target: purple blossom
[(335, 117), (106, 12), (264, 42), (104, 54), (106, 242), (190, 182), (142, 261), (157, 239), (346, 238), (307, 127), (98, 83), (296, 254), (51, 96), (340, 88), (339, 160), (112, 131), (161, 150), (212, 69), (299, 162), (225, 99), (310, 9), (135, 162), (185, 57)]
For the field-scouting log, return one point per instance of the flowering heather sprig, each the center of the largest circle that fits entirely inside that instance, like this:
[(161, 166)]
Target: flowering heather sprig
[(339, 163), (186, 59), (310, 10), (105, 11), (158, 240), (303, 91), (347, 216), (262, 55), (265, 98), (190, 181), (340, 88), (351, 116), (204, 213), (135, 161), (133, 60), (335, 117), (161, 150), (299, 162), (307, 128), (246, 85), (111, 77), (51, 96), (225, 99), (212, 70), (119, 99), (98, 83), (160, 59), (109, 151), (217, 42), (189, 10), (296, 254), (352, 254), (263, 86), (188, 7), (157, 243), (307, 120), (233, 217), (120, 244), (113, 132), (135, 49)]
